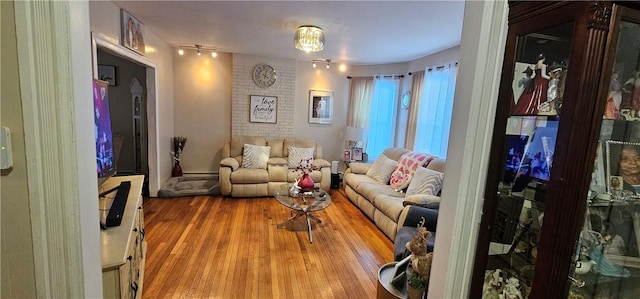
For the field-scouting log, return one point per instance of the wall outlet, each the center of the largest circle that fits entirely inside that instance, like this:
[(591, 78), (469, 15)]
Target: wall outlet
[(6, 159)]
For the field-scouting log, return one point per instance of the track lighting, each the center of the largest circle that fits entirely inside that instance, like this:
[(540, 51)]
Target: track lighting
[(327, 61), (199, 50)]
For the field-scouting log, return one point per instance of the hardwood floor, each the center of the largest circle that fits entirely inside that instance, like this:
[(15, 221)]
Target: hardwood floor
[(216, 247)]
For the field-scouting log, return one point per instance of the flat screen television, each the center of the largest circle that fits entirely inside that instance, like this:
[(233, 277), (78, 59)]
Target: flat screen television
[(105, 157), (539, 153), (514, 153)]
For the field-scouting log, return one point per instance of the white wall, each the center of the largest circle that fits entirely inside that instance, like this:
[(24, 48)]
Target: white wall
[(202, 108), (105, 19)]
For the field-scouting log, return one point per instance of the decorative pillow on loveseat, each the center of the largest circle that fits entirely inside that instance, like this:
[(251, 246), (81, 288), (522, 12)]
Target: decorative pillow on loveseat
[(425, 181), (381, 169), (255, 156)]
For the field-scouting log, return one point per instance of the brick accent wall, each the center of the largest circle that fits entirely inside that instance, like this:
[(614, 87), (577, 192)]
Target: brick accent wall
[(244, 87)]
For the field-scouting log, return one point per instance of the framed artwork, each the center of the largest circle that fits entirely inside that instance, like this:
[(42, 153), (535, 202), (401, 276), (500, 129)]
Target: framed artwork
[(320, 107), (132, 35), (347, 155), (356, 154), (107, 73), (623, 164), (263, 109)]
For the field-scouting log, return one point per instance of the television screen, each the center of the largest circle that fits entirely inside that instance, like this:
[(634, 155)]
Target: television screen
[(514, 153), (539, 153), (105, 159)]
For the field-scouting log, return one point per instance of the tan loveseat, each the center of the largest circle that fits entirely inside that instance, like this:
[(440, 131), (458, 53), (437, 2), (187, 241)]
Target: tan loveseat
[(237, 181), (380, 202)]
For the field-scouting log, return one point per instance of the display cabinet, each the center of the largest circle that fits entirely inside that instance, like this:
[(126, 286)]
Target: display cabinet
[(561, 216)]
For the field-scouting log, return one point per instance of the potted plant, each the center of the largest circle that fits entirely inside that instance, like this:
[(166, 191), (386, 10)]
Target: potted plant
[(415, 286)]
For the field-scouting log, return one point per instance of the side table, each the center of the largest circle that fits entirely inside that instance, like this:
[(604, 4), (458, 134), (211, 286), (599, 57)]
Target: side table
[(387, 289)]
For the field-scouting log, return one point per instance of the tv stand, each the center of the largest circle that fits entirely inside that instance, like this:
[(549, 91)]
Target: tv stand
[(124, 247)]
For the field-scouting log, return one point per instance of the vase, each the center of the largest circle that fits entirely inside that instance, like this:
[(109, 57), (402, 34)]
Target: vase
[(305, 183), (414, 293), (177, 170)]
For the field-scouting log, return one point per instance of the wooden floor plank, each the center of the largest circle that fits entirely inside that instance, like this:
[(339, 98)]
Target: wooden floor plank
[(217, 247)]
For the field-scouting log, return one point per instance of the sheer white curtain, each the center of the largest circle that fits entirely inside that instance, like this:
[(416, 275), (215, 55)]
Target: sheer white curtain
[(382, 119), (360, 95), (412, 119), (435, 109)]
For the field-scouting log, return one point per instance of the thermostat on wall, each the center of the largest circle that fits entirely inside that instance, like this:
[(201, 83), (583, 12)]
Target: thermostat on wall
[(6, 161)]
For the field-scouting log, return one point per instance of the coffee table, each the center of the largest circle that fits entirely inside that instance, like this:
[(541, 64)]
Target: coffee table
[(303, 204)]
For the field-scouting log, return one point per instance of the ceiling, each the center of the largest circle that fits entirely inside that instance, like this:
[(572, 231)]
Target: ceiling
[(356, 32)]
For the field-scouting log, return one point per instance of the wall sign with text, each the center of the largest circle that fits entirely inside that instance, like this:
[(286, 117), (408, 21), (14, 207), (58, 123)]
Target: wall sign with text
[(263, 109)]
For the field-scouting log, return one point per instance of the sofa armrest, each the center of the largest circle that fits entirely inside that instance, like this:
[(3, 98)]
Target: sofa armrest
[(320, 163), (415, 214), (423, 200), (359, 167), (230, 162)]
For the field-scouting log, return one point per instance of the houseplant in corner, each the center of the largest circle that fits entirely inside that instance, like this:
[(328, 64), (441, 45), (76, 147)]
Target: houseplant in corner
[(420, 262)]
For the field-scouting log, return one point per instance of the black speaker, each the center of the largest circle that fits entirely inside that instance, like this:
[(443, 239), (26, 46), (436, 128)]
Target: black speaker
[(335, 180)]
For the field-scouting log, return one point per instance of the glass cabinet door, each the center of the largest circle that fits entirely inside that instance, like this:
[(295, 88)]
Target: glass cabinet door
[(530, 138), (607, 256)]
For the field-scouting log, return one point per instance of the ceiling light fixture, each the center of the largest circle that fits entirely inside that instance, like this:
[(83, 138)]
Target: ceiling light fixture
[(199, 50), (309, 38)]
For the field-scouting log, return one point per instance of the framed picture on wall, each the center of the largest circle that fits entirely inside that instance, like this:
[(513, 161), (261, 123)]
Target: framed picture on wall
[(107, 73), (320, 106), (132, 35), (263, 109)]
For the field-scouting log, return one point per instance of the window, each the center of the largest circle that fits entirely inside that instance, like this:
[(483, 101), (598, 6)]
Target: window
[(382, 118), (434, 111)]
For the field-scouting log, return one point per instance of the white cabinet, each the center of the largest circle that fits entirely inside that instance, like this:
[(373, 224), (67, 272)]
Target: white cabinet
[(124, 247)]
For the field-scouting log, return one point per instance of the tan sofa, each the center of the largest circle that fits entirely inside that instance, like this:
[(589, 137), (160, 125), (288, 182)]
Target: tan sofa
[(380, 202), (237, 181)]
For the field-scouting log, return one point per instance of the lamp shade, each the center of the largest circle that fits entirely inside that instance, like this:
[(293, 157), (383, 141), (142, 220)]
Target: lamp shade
[(309, 38)]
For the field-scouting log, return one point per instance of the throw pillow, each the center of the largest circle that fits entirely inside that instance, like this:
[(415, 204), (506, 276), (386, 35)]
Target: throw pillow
[(381, 169), (299, 154), (399, 180), (425, 181), (410, 161), (255, 156)]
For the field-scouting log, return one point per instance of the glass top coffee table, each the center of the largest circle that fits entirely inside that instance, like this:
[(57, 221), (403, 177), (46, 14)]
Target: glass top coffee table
[(302, 204)]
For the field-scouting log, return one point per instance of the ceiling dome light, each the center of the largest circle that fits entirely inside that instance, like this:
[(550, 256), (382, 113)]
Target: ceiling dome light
[(309, 38)]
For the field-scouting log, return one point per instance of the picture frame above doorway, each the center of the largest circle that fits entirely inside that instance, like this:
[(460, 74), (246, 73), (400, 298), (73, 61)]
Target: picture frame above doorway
[(132, 36)]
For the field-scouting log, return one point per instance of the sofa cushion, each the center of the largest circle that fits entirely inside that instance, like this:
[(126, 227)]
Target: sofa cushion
[(390, 205), (371, 189), (299, 154), (381, 169), (276, 148), (410, 161), (249, 176), (425, 181), (399, 180), (255, 156)]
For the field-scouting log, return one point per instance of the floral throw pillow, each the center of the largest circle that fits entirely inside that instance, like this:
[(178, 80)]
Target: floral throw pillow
[(399, 180), (410, 161)]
